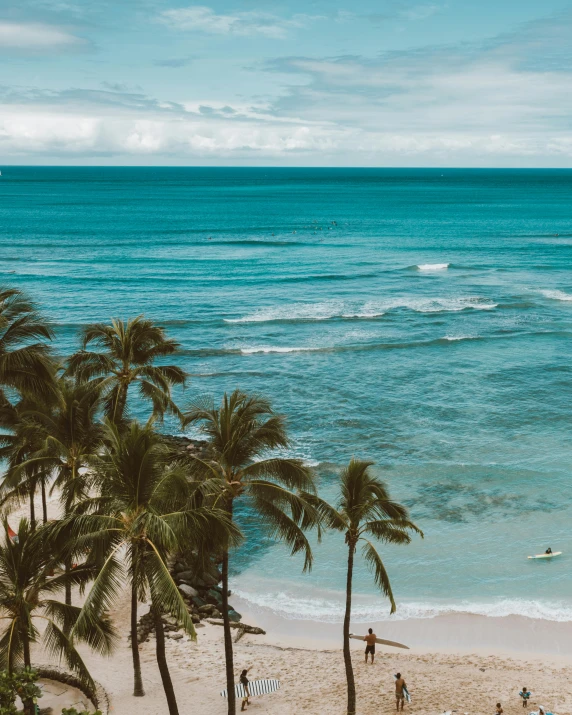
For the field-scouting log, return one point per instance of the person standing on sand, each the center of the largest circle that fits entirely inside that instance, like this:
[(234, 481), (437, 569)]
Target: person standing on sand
[(399, 694), (245, 683), (370, 647), (525, 695), (499, 711)]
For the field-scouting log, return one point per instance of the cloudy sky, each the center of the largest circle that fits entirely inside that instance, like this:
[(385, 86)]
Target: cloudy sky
[(320, 82)]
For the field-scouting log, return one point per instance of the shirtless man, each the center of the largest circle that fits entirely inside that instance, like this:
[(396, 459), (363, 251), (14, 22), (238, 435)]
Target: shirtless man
[(370, 647), (399, 696)]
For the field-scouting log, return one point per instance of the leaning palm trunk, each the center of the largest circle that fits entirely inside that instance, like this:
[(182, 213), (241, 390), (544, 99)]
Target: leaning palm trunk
[(162, 663), (347, 652), (228, 654), (137, 679)]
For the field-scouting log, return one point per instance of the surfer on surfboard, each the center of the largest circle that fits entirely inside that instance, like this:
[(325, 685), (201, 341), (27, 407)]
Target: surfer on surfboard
[(370, 647)]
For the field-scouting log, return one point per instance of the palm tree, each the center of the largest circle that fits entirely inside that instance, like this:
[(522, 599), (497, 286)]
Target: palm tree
[(17, 444), (124, 355), (143, 508), (365, 513), (241, 433), (25, 364), (27, 587), (69, 438)]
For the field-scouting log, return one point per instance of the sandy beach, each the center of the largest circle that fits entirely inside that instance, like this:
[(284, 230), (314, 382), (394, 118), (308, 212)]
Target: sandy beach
[(456, 662), (311, 670)]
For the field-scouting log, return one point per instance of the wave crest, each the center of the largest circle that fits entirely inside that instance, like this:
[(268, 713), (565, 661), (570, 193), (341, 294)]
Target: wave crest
[(298, 312), (433, 266), (329, 610), (557, 295)]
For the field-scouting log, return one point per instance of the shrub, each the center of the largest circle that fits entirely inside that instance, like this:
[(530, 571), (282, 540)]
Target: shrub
[(21, 683)]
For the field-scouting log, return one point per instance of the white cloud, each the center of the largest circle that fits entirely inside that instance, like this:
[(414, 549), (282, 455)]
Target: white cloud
[(35, 36), (199, 18), (421, 12)]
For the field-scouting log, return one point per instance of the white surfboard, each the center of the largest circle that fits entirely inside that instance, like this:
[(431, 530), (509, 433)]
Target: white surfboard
[(255, 687), (546, 556), (381, 641), (405, 692)]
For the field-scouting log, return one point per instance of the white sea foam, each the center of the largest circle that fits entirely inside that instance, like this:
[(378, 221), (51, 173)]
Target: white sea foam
[(433, 266), (329, 610), (557, 295), (295, 311), (459, 337), (367, 310), (252, 351)]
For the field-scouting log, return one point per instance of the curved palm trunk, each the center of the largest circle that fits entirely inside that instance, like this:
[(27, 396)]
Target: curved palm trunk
[(119, 403), (347, 652), (162, 663), (137, 679), (228, 654)]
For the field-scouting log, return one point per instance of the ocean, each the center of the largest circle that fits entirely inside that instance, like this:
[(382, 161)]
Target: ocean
[(421, 319)]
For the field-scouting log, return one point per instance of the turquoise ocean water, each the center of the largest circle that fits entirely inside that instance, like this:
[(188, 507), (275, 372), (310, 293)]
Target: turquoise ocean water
[(418, 318)]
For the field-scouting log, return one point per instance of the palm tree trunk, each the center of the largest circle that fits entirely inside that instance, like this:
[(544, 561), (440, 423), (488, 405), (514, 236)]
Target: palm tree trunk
[(347, 652), (28, 704), (68, 567), (32, 506), (162, 663), (137, 679), (228, 654), (44, 503)]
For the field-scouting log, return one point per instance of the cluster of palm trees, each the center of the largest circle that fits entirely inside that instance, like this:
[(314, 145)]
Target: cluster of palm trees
[(128, 502)]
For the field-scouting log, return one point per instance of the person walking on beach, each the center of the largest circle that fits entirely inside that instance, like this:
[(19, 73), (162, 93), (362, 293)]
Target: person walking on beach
[(399, 694), (499, 711), (370, 644), (245, 683)]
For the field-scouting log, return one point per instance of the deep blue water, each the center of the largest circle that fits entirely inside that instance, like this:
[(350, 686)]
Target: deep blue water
[(418, 318)]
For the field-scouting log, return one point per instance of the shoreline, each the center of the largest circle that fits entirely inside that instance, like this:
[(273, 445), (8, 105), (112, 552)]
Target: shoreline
[(513, 636)]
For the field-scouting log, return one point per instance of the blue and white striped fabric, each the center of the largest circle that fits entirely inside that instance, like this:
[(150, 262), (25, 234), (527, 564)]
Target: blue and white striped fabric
[(256, 687)]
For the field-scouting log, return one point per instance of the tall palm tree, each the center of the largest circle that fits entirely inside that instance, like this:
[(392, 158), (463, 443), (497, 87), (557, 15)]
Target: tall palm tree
[(144, 510), (366, 513), (25, 364), (241, 433), (123, 356), (66, 438), (17, 444), (27, 590)]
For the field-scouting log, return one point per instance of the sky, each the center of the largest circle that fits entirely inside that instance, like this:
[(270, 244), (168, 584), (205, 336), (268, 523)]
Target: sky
[(259, 83)]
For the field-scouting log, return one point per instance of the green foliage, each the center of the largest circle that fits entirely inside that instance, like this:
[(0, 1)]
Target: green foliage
[(27, 587), (25, 364), (73, 711), (22, 683), (122, 356)]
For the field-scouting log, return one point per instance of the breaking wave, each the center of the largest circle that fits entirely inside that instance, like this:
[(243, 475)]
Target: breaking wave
[(371, 309), (331, 610)]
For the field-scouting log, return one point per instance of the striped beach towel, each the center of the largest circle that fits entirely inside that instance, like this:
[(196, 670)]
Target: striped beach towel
[(256, 687)]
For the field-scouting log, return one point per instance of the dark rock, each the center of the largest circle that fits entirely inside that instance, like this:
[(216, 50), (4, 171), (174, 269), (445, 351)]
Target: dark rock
[(186, 576), (188, 590), (214, 596), (233, 616)]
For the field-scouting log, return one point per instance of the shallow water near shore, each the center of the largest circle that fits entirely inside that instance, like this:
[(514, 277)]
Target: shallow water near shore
[(418, 318)]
